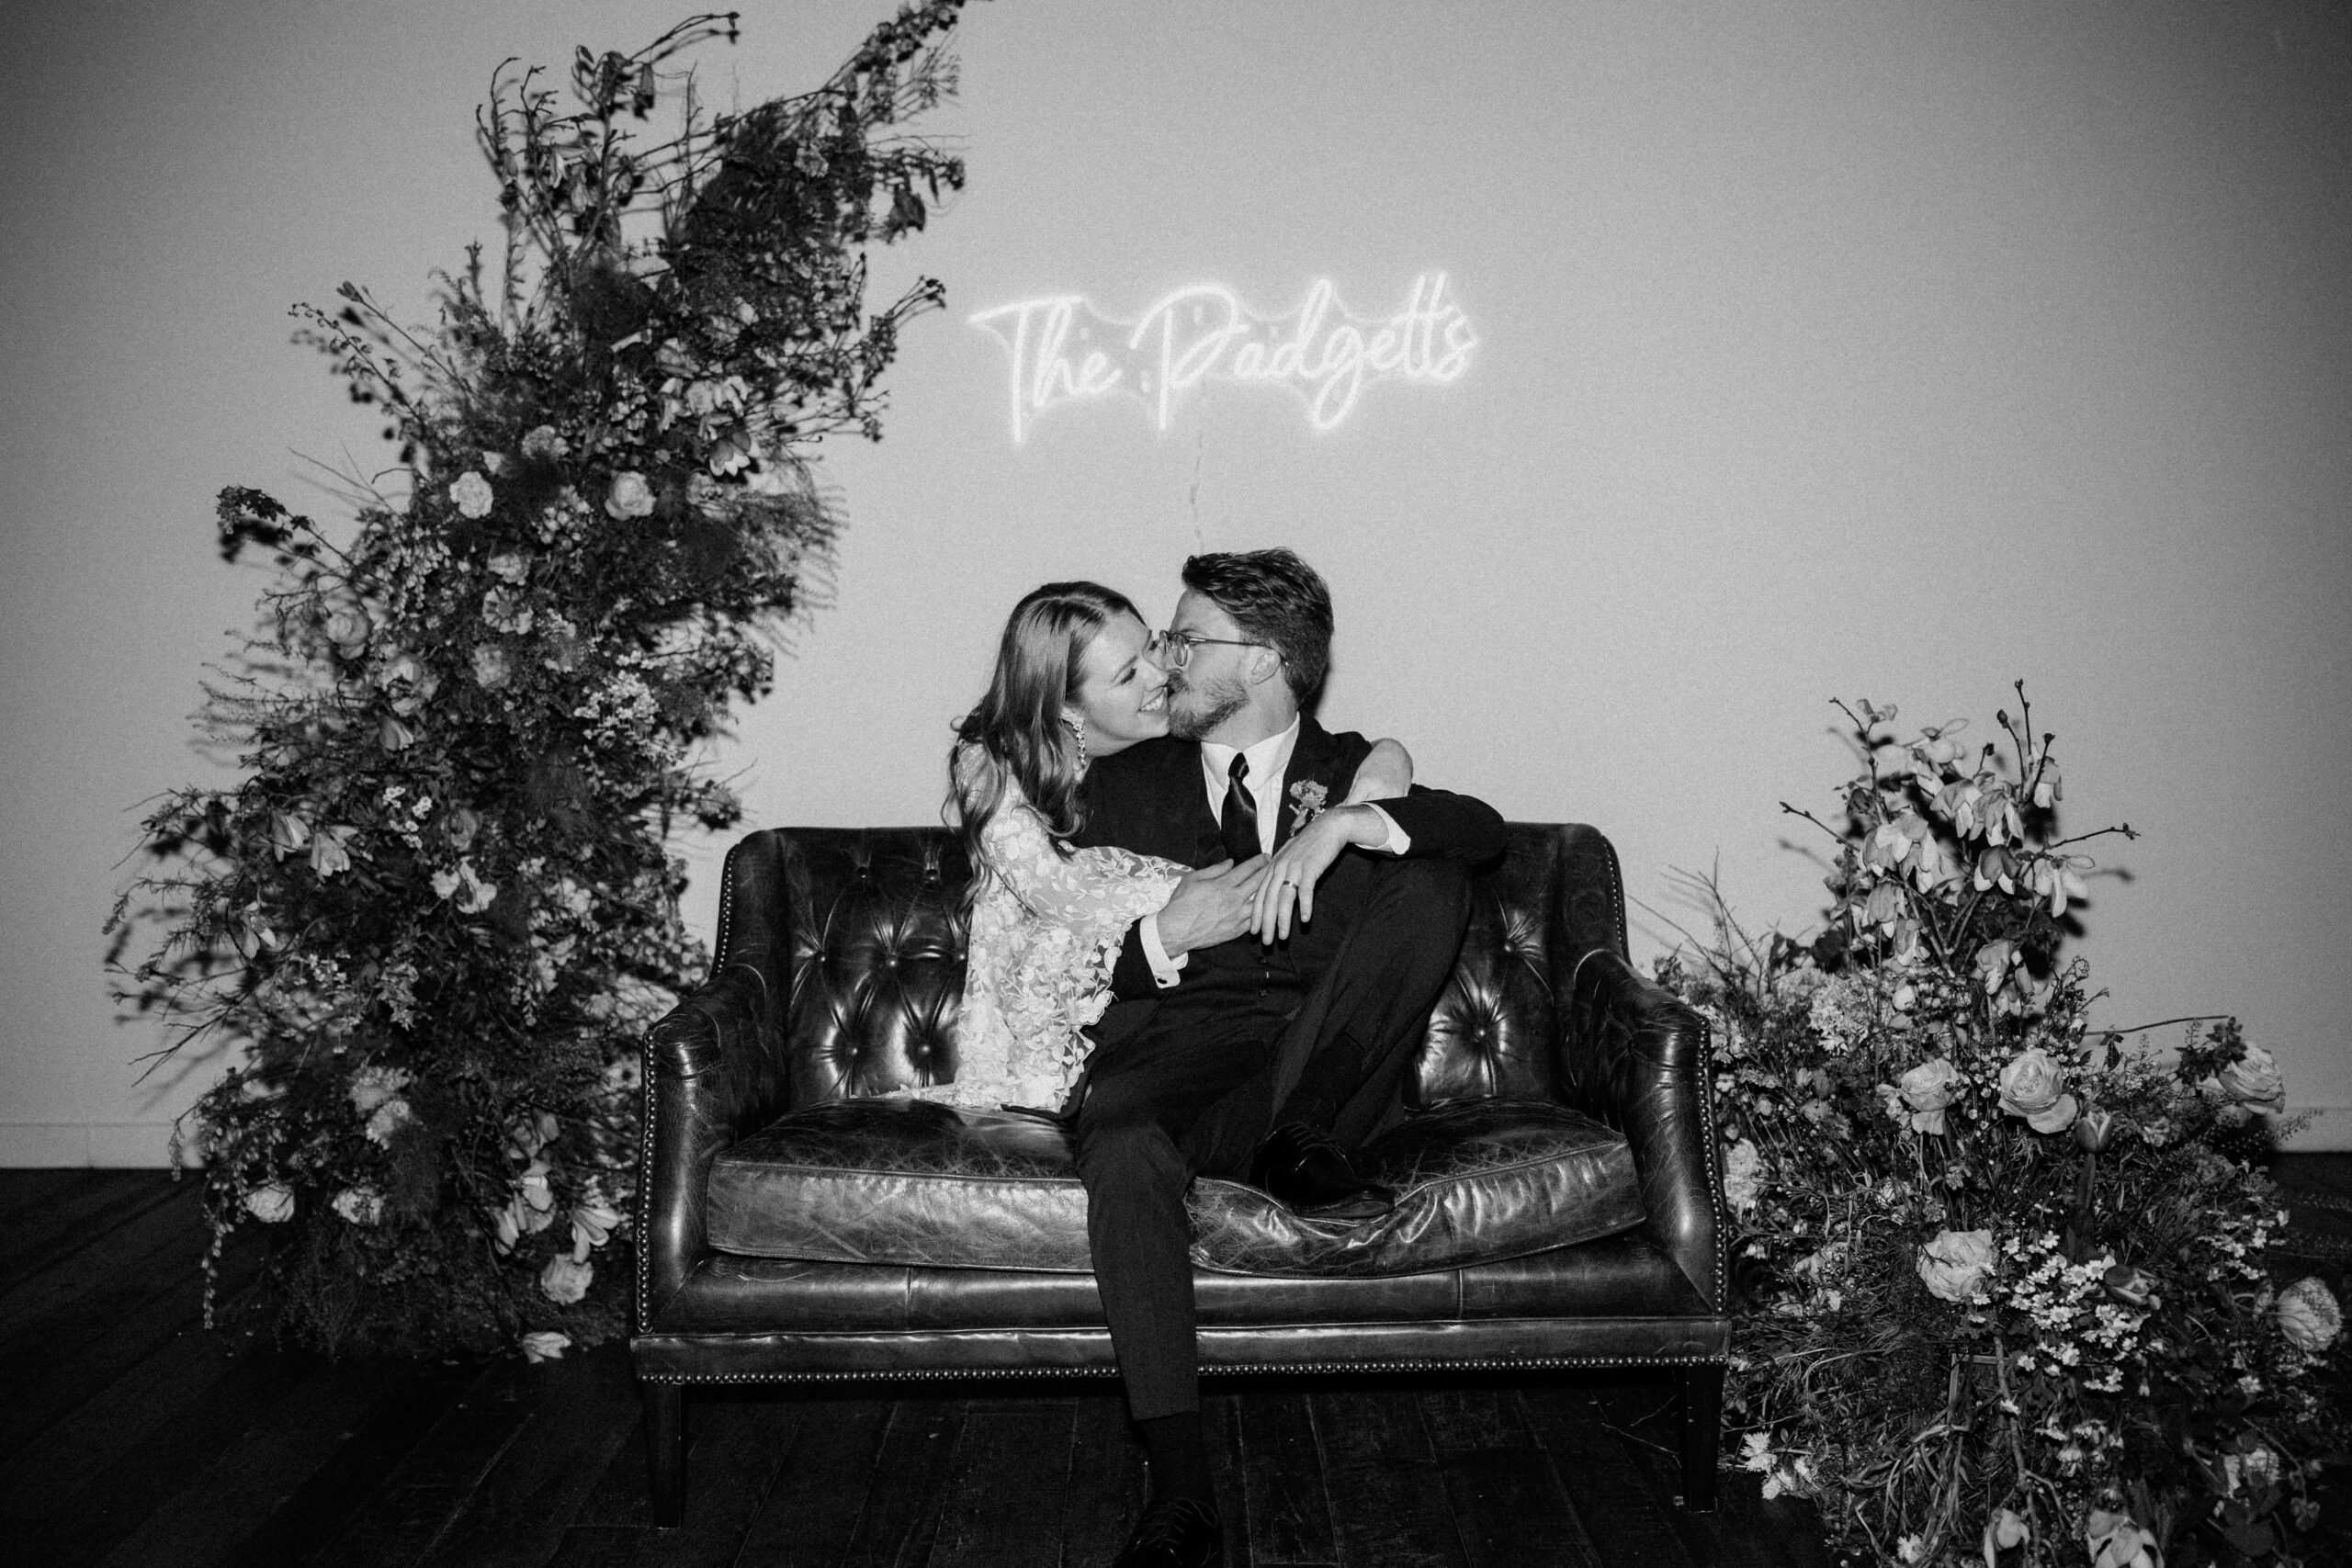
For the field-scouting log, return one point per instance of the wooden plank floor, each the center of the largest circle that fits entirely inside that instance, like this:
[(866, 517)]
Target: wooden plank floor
[(130, 1435)]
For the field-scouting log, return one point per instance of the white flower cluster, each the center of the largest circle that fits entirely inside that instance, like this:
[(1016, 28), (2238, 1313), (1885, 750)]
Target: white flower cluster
[(1791, 1472), (398, 981), (621, 709), (375, 1094), (531, 1207), (1843, 1011), (2075, 1308), (1743, 1176)]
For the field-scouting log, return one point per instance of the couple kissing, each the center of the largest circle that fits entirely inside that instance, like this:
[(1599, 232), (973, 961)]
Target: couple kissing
[(1204, 931)]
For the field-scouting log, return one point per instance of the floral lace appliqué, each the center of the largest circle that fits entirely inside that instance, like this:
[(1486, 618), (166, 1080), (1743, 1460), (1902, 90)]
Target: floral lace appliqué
[(1046, 930)]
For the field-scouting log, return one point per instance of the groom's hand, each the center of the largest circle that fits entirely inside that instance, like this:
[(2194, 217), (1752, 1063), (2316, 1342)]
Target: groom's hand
[(1212, 905), (1288, 887)]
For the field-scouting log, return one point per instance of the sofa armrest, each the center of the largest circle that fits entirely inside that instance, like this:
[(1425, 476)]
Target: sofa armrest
[(1638, 1059), (709, 1078), (714, 1067)]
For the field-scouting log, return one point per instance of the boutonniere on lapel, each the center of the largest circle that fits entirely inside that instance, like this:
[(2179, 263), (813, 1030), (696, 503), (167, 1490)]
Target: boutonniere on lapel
[(1307, 797)]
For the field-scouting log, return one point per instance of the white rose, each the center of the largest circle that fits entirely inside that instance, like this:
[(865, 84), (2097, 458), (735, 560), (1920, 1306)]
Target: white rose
[(546, 443), (490, 667), (1956, 1264), (1927, 1089), (564, 1281), (272, 1203), (347, 628), (2033, 1086), (470, 493), (630, 497), (360, 1205), (2309, 1316), (545, 1345), (2253, 1080)]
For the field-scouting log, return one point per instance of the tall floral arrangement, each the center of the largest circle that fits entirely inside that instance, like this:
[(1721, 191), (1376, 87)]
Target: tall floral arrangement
[(430, 919), (2007, 1283)]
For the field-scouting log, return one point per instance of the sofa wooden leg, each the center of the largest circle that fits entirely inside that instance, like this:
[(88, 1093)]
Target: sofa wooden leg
[(1703, 1418), (665, 1449)]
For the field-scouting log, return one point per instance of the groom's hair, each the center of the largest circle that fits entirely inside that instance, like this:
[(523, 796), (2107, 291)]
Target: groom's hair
[(1276, 599)]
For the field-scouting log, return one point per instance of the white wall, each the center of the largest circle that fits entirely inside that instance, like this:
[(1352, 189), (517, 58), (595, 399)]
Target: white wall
[(1826, 350)]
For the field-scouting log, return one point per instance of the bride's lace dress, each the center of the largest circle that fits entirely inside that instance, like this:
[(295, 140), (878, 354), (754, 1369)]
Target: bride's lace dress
[(1046, 928)]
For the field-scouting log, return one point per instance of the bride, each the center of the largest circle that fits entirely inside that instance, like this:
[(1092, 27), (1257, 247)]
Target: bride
[(1075, 677)]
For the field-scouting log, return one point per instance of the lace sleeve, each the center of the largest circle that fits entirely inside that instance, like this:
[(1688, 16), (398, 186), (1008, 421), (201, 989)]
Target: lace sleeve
[(1096, 893)]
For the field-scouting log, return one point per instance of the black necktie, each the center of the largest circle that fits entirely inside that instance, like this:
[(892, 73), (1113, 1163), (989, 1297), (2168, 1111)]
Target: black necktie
[(1239, 824)]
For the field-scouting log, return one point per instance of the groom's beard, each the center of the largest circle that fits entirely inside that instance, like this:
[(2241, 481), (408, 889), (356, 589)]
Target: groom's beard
[(1195, 711)]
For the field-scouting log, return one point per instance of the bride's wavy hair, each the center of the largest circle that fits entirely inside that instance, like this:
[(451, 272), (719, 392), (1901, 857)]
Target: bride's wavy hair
[(1016, 732)]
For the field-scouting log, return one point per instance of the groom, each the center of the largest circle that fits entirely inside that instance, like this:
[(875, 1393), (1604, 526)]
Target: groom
[(1230, 1056)]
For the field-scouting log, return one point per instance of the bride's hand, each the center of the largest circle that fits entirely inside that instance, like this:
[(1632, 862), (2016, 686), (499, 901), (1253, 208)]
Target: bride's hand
[(1385, 773)]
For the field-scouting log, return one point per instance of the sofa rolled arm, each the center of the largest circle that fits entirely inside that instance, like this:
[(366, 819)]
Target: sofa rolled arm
[(1638, 1058), (711, 1074)]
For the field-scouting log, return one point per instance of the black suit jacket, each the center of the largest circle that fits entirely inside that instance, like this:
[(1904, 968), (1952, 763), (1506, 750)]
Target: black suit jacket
[(1151, 798)]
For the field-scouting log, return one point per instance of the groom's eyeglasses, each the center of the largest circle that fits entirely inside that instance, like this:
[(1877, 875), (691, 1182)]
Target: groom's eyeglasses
[(1174, 649)]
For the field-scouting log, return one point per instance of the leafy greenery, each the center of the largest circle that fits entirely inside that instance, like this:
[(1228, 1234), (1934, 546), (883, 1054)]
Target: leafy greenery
[(2008, 1285), (431, 918)]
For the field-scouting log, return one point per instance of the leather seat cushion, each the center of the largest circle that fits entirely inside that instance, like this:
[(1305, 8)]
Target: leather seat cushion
[(1617, 1278), (917, 1185)]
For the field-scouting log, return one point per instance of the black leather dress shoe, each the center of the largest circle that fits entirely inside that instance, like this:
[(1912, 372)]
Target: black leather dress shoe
[(1303, 1167), (1178, 1534)]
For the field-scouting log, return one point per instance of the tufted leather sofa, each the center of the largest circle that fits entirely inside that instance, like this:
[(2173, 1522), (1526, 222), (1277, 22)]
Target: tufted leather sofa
[(1560, 1204)]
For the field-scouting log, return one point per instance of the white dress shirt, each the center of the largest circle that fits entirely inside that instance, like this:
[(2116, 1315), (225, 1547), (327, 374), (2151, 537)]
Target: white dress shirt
[(1269, 761)]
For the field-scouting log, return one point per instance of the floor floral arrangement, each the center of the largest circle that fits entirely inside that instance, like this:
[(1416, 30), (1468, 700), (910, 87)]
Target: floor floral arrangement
[(2005, 1276), (431, 919)]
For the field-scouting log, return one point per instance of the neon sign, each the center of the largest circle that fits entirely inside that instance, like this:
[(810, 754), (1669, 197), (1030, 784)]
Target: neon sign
[(1064, 351)]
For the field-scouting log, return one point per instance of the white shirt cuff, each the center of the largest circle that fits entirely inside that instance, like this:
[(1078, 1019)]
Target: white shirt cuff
[(1397, 841), (1165, 970)]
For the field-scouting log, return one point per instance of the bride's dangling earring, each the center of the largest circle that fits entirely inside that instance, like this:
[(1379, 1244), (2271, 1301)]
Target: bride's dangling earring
[(1077, 738)]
